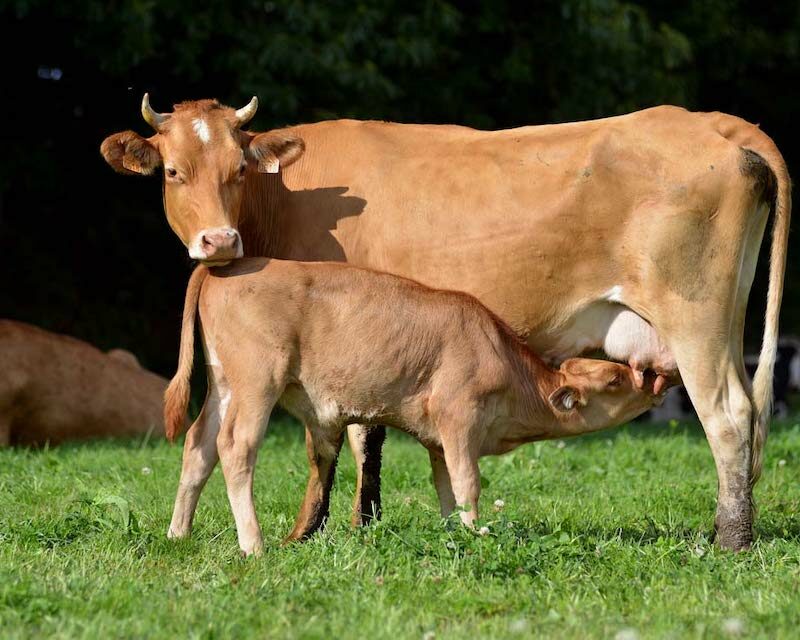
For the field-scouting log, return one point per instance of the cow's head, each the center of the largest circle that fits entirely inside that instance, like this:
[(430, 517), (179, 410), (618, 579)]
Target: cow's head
[(206, 158), (595, 394)]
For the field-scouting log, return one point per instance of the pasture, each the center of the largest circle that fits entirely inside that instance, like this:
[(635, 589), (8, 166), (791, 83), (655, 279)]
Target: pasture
[(599, 537)]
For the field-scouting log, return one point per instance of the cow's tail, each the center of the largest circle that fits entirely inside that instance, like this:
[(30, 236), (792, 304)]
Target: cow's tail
[(750, 137), (762, 381), (176, 397)]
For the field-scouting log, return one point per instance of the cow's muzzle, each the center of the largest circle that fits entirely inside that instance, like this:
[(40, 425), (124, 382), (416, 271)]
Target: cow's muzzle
[(216, 246)]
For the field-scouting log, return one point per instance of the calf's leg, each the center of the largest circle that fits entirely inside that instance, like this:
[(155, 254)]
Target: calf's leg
[(238, 441), (461, 457), (199, 459), (441, 480), (323, 449)]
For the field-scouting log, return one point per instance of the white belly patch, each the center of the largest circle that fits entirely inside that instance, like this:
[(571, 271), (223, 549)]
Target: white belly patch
[(621, 333)]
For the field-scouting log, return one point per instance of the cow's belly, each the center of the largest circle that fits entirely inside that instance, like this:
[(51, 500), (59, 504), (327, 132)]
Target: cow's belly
[(584, 331)]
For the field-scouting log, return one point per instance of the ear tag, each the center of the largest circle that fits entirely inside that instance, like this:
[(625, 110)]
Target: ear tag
[(269, 165)]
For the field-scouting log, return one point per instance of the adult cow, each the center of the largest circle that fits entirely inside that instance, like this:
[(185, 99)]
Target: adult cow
[(661, 210), (56, 388)]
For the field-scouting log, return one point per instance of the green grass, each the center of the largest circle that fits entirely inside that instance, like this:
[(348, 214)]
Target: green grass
[(599, 537)]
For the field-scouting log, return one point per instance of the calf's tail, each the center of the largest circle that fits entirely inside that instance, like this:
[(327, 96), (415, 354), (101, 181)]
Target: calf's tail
[(176, 397)]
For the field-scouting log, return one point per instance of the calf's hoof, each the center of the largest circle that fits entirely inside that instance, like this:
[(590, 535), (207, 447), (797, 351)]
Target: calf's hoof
[(253, 552), (177, 534)]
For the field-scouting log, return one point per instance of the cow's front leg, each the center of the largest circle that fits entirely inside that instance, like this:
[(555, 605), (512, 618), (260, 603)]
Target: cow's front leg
[(366, 444)]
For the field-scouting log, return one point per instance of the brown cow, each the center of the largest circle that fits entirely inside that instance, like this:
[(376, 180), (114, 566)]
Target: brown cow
[(334, 345), (662, 211), (55, 388)]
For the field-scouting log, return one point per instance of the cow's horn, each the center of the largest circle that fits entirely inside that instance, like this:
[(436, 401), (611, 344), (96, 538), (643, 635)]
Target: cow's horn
[(245, 114), (151, 117)]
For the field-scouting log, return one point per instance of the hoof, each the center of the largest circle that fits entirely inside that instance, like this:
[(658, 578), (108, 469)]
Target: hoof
[(734, 533), (363, 517)]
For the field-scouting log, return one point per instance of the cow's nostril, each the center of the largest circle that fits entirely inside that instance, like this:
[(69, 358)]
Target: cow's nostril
[(207, 241)]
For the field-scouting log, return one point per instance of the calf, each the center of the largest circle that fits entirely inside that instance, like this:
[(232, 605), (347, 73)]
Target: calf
[(334, 345), (55, 388)]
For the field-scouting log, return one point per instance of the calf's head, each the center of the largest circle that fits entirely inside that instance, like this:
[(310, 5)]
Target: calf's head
[(595, 394), (206, 159)]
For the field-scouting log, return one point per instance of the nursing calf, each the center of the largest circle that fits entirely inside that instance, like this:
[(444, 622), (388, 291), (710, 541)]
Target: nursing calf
[(335, 345)]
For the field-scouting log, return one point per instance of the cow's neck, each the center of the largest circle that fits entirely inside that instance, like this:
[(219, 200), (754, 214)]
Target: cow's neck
[(259, 218)]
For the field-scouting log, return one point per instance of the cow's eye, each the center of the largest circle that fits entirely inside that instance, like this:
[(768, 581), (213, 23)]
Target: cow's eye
[(172, 172), (615, 381)]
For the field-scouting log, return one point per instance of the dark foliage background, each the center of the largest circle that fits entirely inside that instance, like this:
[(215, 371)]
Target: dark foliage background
[(89, 253)]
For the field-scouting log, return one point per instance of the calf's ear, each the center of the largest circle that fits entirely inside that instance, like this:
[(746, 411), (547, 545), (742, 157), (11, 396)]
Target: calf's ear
[(129, 153), (566, 398), (274, 149)]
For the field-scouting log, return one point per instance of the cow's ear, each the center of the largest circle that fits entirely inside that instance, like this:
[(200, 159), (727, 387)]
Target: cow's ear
[(128, 152), (566, 398), (274, 149)]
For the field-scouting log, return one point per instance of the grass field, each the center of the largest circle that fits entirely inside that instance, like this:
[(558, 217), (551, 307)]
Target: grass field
[(606, 536)]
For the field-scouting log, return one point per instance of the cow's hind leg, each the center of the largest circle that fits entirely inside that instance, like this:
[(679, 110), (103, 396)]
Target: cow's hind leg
[(366, 444), (322, 447), (725, 410)]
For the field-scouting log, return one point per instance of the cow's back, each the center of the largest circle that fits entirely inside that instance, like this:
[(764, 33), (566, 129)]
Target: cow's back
[(536, 222)]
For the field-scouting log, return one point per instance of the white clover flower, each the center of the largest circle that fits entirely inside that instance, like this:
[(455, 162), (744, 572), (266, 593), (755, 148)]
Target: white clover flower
[(733, 626), (499, 503), (627, 634), (520, 625), (484, 531), (781, 462), (146, 471), (561, 444), (428, 635)]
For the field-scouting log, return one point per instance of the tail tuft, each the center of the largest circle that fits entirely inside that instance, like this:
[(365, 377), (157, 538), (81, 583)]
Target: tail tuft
[(176, 402)]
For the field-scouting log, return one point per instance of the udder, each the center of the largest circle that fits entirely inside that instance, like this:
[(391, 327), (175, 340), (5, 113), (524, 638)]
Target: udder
[(622, 334), (630, 338)]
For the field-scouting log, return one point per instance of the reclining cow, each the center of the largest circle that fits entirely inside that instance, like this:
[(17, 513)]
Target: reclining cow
[(55, 388), (662, 211), (334, 345)]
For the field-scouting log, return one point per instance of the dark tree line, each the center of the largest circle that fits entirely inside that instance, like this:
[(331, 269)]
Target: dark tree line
[(88, 253)]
